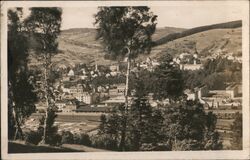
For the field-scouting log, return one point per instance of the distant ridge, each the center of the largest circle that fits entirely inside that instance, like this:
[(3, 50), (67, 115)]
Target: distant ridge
[(173, 36), (79, 45)]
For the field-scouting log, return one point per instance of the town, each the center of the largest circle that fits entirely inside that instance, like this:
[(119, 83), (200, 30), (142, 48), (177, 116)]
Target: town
[(91, 90)]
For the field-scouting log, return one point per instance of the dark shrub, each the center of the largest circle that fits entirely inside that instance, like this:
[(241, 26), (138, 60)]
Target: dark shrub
[(77, 139), (55, 140), (104, 142), (33, 137), (85, 139), (67, 137)]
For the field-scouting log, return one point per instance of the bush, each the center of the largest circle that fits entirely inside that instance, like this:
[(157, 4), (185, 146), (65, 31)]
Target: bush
[(67, 137), (33, 137), (85, 139), (55, 140), (77, 139), (157, 147), (104, 142)]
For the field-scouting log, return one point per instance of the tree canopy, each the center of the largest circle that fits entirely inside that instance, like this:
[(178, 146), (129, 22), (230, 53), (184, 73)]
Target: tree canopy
[(21, 90), (120, 27), (45, 25)]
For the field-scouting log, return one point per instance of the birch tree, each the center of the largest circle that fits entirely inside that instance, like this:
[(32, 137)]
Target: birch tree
[(125, 32), (44, 24)]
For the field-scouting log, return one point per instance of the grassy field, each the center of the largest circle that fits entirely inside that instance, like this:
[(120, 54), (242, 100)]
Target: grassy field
[(75, 123), (72, 117)]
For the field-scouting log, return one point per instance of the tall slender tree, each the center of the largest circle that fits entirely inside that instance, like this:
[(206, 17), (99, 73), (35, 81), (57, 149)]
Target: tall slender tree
[(44, 24), (125, 31), (21, 92)]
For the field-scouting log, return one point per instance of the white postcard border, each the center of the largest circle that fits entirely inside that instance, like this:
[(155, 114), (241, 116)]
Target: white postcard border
[(244, 154)]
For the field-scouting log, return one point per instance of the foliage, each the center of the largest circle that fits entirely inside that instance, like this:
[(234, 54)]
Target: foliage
[(44, 24), (21, 90), (125, 26), (52, 137), (67, 137), (143, 124), (125, 30), (165, 82), (33, 137), (237, 134), (85, 139), (70, 138), (188, 127), (215, 74), (183, 126), (168, 80), (104, 142)]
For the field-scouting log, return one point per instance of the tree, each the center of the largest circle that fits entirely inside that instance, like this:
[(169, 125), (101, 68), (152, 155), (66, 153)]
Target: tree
[(168, 80), (21, 97), (125, 30), (188, 127), (44, 24), (236, 127), (143, 126), (145, 123)]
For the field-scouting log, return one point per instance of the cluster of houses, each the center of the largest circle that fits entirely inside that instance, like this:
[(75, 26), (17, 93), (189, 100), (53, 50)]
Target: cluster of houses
[(72, 94), (217, 99), (188, 61), (228, 55), (225, 104)]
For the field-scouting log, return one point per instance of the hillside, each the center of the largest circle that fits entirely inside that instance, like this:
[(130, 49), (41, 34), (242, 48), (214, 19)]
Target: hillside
[(207, 43), (80, 46)]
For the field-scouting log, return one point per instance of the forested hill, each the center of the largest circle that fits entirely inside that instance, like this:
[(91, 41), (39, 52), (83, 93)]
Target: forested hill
[(173, 36)]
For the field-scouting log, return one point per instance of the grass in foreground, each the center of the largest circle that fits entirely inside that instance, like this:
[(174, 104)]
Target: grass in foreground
[(16, 147)]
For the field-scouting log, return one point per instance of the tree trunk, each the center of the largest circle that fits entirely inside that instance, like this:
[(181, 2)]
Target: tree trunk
[(125, 114), (43, 141), (17, 124)]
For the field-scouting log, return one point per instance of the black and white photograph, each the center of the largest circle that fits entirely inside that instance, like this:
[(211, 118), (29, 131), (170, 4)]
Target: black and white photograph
[(121, 79)]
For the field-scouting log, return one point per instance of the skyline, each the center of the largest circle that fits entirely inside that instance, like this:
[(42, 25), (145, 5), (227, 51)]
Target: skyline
[(168, 16), (185, 16)]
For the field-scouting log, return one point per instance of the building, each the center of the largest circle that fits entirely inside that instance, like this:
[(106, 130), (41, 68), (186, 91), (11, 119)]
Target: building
[(190, 95), (118, 90), (115, 101), (88, 98), (191, 66), (74, 89), (234, 90), (60, 104), (121, 89), (201, 91), (114, 68), (70, 107), (93, 109), (185, 55), (71, 73)]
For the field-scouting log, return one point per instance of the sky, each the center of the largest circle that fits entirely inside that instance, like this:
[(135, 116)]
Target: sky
[(180, 16), (172, 16)]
